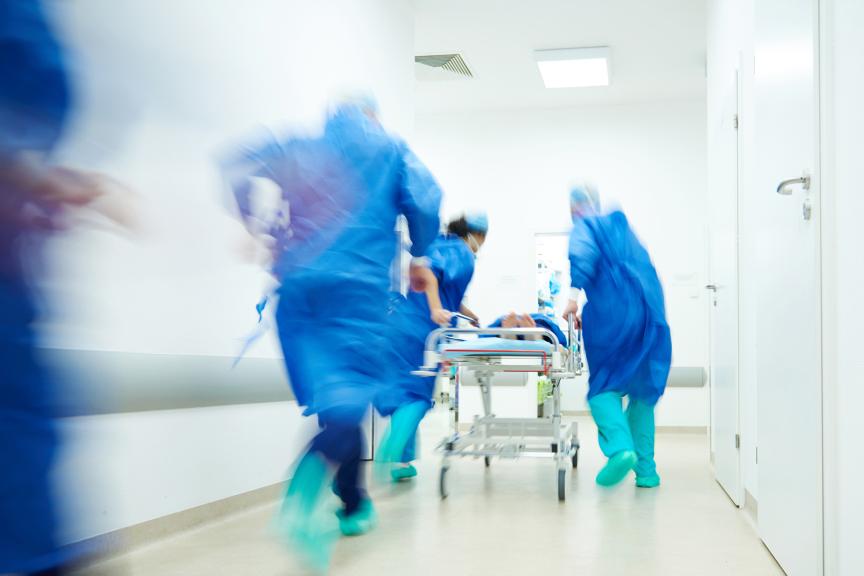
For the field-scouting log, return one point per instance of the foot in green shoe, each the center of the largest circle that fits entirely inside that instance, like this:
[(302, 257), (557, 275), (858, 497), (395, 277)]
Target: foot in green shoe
[(314, 546), (308, 534), (648, 481), (360, 522), (617, 468), (302, 521), (403, 426), (403, 473)]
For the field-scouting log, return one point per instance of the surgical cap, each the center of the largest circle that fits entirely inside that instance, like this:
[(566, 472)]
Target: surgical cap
[(361, 99), (477, 223), (585, 193)]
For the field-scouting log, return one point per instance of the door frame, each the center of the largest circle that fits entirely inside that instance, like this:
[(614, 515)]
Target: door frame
[(738, 497), (820, 6), (819, 204), (828, 278)]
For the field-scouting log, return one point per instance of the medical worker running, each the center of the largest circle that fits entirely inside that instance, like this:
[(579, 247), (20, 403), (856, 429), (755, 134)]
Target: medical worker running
[(627, 339), (334, 245), (450, 269)]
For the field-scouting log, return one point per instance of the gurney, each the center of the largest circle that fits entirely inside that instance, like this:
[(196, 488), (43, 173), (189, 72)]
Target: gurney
[(485, 352)]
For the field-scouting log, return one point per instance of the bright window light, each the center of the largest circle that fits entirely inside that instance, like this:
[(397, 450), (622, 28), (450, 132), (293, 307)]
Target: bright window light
[(573, 67)]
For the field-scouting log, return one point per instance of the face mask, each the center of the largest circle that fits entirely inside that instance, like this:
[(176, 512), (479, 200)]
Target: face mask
[(473, 244)]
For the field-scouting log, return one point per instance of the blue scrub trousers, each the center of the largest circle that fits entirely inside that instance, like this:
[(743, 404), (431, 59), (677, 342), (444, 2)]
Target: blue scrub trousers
[(29, 443), (619, 431), (341, 443), (333, 333)]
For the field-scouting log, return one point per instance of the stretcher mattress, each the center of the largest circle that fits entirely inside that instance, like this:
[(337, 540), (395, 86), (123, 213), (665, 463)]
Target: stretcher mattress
[(495, 347)]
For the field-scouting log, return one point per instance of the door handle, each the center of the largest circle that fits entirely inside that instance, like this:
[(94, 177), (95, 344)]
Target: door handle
[(711, 287), (784, 187)]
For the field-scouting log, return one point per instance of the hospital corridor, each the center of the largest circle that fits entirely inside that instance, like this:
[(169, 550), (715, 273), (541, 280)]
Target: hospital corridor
[(485, 527), (470, 287)]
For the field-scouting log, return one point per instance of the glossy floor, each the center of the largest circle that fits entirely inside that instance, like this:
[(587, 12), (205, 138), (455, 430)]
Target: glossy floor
[(504, 520)]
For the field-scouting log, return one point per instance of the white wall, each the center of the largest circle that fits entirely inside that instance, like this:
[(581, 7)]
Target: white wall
[(843, 237), (162, 87), (517, 165), (119, 470)]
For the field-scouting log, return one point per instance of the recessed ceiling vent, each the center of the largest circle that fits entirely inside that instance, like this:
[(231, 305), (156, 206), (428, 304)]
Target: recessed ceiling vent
[(442, 67)]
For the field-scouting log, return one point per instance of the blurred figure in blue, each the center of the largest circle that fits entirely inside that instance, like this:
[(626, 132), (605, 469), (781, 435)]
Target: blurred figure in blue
[(627, 340), (333, 243), (34, 105), (36, 199), (450, 269)]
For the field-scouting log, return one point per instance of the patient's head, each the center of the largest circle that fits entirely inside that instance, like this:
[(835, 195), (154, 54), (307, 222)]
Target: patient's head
[(514, 320)]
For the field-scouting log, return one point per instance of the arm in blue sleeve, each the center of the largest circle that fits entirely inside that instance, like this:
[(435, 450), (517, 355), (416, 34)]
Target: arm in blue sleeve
[(419, 200), (583, 253), (35, 92), (440, 265)]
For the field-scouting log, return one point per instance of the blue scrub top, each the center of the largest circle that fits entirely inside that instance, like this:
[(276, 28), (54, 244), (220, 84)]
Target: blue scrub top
[(343, 193), (627, 339), (452, 262)]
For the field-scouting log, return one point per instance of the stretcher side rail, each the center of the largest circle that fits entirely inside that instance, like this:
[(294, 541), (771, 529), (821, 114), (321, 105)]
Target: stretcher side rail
[(435, 353)]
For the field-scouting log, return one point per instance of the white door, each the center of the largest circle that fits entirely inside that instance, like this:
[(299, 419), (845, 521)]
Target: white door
[(788, 317), (723, 287)]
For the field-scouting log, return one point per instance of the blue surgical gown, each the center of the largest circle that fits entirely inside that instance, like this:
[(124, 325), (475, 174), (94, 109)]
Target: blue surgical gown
[(627, 339), (542, 321), (34, 103), (342, 193), (452, 263)]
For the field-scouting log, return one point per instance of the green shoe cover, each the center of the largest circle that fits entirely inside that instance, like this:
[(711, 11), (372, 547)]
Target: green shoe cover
[(302, 520), (617, 468), (648, 481), (360, 522), (403, 473), (403, 426)]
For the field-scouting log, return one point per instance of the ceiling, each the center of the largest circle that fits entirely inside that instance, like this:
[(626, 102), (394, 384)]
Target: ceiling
[(657, 50)]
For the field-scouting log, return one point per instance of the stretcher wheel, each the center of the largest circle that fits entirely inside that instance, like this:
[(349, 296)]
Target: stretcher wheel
[(487, 461), (562, 485), (442, 482), (575, 458)]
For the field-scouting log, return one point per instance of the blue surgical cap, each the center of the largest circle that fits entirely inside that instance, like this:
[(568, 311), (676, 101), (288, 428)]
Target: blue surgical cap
[(585, 193), (477, 223), (361, 99)]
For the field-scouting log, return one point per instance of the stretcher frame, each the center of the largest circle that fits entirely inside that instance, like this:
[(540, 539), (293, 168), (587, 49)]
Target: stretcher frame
[(491, 436)]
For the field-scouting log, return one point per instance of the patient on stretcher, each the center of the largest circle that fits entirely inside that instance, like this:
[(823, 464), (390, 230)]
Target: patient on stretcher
[(514, 320)]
